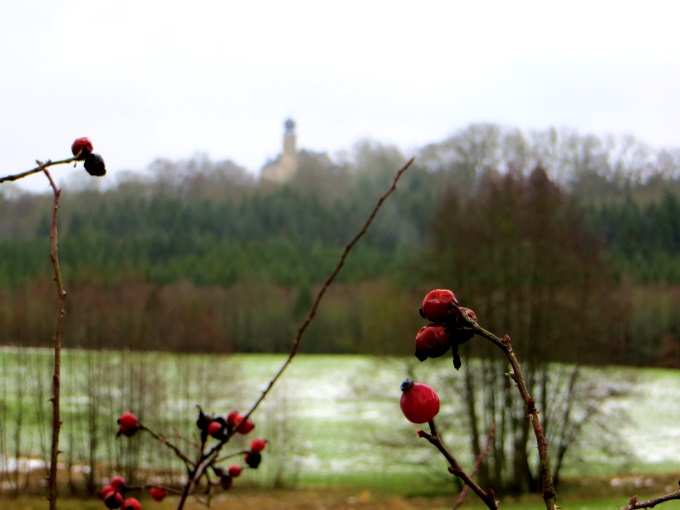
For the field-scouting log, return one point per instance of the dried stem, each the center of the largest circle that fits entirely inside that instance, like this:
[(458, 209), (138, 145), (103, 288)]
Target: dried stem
[(209, 457), (40, 168), (478, 462), (487, 497), (56, 341)]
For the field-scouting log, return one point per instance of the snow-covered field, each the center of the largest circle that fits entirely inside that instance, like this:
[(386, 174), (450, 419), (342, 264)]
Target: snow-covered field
[(328, 415)]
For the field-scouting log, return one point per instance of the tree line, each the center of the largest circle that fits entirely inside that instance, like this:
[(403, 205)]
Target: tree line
[(199, 255)]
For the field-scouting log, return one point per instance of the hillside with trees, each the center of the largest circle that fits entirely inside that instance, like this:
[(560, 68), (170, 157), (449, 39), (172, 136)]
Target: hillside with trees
[(200, 255)]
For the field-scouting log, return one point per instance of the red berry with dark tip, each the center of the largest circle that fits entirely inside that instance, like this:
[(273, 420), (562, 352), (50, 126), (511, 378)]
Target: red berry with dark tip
[(232, 418), (419, 402), (128, 424), (432, 341), (157, 493), (215, 429), (243, 427), (113, 499), (258, 444), (118, 483), (82, 147), (226, 481), (235, 470), (106, 490), (439, 305), (131, 504)]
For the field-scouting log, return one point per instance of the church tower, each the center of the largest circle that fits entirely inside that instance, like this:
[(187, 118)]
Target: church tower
[(285, 165), (289, 138)]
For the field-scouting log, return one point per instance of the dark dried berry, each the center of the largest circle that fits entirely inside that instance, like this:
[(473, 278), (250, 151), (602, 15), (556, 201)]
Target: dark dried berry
[(253, 459), (113, 499), (203, 421), (226, 481), (94, 164)]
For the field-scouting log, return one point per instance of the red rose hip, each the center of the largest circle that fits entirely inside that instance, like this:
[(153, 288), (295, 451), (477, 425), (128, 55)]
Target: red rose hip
[(235, 470), (215, 429), (157, 493), (113, 499), (131, 504), (439, 305), (241, 426), (118, 483), (128, 424), (419, 402), (432, 341), (82, 147), (258, 444)]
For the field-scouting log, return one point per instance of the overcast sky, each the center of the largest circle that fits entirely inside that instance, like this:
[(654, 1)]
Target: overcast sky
[(146, 79)]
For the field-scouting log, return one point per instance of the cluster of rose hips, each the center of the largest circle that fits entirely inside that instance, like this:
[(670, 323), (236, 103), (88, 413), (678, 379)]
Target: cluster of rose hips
[(219, 427), (252, 458), (449, 327), (94, 163), (113, 495)]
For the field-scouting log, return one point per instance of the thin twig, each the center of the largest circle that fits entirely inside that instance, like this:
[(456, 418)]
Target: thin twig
[(41, 167), (164, 441), (315, 306), (455, 468), (209, 458), (634, 504), (478, 462), (56, 341)]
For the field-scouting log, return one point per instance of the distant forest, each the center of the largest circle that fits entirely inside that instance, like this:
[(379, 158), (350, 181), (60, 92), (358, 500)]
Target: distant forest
[(571, 242)]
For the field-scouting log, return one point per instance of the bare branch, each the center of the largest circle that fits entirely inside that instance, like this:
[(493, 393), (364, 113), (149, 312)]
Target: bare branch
[(478, 462), (40, 168), (315, 306), (634, 504), (56, 341), (487, 497)]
